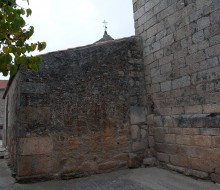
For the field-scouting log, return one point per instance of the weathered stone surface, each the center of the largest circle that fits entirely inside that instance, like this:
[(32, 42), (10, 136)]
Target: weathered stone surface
[(108, 165), (35, 145), (74, 115), (137, 115), (149, 161), (134, 131), (139, 146), (134, 161), (91, 100)]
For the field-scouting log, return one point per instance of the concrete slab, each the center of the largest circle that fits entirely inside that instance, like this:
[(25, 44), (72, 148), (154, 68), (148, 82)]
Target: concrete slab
[(136, 179)]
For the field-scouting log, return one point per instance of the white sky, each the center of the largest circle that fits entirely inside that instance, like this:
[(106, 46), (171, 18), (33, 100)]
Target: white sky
[(67, 24)]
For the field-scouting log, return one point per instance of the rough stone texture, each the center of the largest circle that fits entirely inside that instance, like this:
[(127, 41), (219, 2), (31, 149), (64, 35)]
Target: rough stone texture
[(150, 178), (78, 115), (2, 108), (181, 55), (100, 108)]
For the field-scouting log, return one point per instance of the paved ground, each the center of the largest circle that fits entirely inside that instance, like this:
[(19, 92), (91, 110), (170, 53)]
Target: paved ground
[(137, 179)]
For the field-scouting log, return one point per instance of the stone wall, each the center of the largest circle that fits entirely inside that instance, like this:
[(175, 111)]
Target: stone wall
[(12, 120), (2, 107), (83, 113), (181, 40)]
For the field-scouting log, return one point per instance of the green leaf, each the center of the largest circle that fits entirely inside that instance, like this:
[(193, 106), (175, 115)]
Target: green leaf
[(41, 46), (29, 12), (5, 59), (6, 50)]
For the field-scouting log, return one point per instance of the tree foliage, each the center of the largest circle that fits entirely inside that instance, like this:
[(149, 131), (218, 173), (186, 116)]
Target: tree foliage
[(14, 34)]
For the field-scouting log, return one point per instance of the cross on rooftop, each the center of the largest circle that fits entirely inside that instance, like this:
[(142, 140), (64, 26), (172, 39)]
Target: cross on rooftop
[(105, 24)]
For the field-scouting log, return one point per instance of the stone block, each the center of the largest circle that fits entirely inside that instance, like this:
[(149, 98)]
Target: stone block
[(216, 143), (211, 108), (181, 82), (195, 15), (87, 167), (150, 20), (193, 48), (134, 161), (149, 161), (45, 165), (170, 138), (179, 160), (191, 131), (167, 148), (122, 157), (134, 132), (203, 45), (202, 165), (184, 140), (200, 140), (152, 31), (207, 75), (24, 166), (215, 15), (215, 178), (213, 50), (166, 68), (138, 14), (160, 6), (107, 165), (35, 114), (158, 54), (193, 109), (151, 141), (35, 146), (155, 71), (155, 46), (165, 86), (31, 87), (214, 40), (166, 59), (166, 41), (161, 34), (143, 134), (159, 78), (196, 173), (202, 3), (176, 168), (209, 63), (203, 23), (137, 115), (139, 146), (163, 157), (198, 37), (150, 4), (195, 58), (177, 110)]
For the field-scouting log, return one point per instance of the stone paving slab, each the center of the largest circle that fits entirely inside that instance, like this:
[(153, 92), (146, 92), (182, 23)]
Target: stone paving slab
[(136, 179)]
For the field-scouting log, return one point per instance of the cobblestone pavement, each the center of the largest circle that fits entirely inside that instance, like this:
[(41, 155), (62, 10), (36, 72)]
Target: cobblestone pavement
[(136, 179)]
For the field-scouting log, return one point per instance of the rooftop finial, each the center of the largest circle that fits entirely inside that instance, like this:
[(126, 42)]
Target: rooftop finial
[(105, 24)]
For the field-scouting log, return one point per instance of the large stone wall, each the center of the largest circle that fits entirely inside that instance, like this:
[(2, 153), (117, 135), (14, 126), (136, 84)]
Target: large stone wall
[(83, 113), (181, 40)]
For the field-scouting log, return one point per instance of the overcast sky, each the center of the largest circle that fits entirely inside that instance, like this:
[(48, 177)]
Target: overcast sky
[(67, 24)]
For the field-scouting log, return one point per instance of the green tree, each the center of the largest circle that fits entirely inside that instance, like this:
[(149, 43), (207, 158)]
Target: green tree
[(14, 33)]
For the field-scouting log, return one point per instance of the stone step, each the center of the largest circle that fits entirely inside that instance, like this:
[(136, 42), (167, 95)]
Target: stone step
[(149, 161)]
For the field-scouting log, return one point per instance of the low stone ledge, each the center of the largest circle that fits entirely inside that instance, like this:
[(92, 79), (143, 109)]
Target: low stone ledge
[(188, 121)]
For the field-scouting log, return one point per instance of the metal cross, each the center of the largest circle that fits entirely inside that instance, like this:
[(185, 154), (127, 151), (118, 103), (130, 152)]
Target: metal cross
[(105, 24)]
